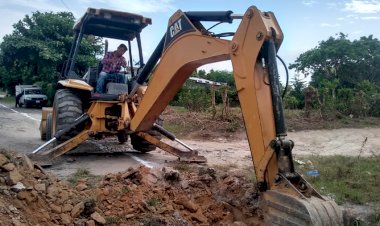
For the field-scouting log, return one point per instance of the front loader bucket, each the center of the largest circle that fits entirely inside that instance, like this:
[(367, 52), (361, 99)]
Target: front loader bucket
[(284, 209)]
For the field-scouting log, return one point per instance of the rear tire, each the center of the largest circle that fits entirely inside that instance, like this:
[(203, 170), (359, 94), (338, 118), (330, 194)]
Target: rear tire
[(141, 145), (66, 108), (49, 125)]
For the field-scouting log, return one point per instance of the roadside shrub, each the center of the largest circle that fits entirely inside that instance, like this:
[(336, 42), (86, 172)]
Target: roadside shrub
[(194, 98), (375, 108)]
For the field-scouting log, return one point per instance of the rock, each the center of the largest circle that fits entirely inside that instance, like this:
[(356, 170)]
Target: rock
[(18, 187), (27, 162), (207, 179), (53, 191), (188, 204), (16, 222), (239, 223), (13, 177), (77, 210), (209, 171), (150, 179), (26, 195), (67, 208), (8, 166), (89, 207), (65, 218), (55, 208), (90, 223), (64, 196), (172, 175), (3, 159), (106, 191), (45, 214), (81, 187), (13, 209), (199, 217), (177, 214), (98, 218), (40, 187)]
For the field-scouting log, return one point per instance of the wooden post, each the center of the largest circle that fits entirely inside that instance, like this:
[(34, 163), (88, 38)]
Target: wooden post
[(213, 102), (225, 110)]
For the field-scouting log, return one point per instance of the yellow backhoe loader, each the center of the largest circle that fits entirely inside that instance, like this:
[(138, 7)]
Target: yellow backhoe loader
[(133, 109)]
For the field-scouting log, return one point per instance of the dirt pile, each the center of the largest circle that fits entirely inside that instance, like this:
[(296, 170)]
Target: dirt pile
[(140, 196), (144, 196), (29, 196)]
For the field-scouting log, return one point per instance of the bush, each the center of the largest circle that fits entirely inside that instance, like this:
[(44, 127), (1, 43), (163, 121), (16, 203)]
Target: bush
[(194, 98), (375, 108)]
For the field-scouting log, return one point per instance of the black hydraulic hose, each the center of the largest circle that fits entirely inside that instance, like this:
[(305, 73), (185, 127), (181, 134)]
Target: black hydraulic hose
[(214, 26), (287, 77)]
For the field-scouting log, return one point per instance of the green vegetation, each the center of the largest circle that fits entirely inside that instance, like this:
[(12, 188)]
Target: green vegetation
[(8, 100), (112, 220), (83, 174), (35, 51), (125, 190), (153, 202), (345, 76), (346, 179)]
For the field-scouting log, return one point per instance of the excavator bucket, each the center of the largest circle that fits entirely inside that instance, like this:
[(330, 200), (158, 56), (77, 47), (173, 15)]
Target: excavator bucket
[(284, 209)]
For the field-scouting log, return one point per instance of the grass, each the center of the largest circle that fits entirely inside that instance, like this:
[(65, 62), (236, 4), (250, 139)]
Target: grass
[(112, 220), (153, 201), (182, 166), (178, 130), (125, 190), (296, 120), (82, 173), (8, 100), (346, 179)]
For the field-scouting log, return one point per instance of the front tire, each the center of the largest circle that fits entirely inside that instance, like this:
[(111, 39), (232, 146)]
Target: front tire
[(67, 107), (141, 145)]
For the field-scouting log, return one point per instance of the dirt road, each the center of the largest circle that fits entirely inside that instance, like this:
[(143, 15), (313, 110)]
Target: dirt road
[(19, 131)]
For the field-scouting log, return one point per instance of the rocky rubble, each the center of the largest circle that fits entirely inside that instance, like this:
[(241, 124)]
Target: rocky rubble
[(168, 197), (140, 196), (29, 196)]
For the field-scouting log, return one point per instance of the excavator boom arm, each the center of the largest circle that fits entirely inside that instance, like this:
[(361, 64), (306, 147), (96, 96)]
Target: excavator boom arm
[(287, 198), (191, 49)]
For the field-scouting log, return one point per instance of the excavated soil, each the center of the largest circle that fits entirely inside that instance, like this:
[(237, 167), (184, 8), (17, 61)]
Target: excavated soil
[(137, 196)]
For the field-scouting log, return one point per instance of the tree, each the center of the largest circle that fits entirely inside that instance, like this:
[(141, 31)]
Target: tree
[(38, 47), (298, 86), (340, 58), (346, 74)]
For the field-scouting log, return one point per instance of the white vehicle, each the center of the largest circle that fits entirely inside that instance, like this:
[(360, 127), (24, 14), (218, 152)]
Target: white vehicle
[(30, 95)]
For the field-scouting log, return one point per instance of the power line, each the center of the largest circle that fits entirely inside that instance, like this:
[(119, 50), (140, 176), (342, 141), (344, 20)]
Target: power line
[(64, 4)]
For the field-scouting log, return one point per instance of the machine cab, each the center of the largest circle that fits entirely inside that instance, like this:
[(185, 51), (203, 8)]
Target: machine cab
[(108, 24)]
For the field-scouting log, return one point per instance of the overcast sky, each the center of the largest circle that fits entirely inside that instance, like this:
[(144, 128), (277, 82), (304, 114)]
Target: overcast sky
[(304, 22)]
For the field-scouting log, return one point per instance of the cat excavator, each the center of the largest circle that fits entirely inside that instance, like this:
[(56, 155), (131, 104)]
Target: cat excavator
[(286, 197)]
